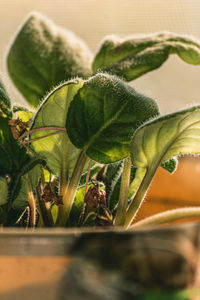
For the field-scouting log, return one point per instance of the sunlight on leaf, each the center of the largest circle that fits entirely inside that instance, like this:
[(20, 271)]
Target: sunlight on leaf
[(161, 139), (103, 116), (43, 55), (134, 56), (58, 151)]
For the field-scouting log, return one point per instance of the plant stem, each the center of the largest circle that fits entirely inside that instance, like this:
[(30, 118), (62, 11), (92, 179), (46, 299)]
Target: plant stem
[(123, 196), (168, 216), (32, 208), (45, 213), (140, 194), (70, 191), (41, 129), (39, 138), (82, 214)]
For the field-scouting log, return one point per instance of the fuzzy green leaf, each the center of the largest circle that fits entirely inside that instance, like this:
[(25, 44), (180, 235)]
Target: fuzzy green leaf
[(27, 181), (18, 182), (12, 156), (134, 56), (42, 55), (3, 191), (57, 149), (166, 137), (104, 114), (5, 103)]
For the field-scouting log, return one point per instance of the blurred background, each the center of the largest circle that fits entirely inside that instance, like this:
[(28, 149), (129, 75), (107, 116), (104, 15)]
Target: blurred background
[(175, 85)]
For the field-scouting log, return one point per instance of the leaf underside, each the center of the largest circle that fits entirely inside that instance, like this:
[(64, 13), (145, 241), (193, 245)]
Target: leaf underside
[(166, 137), (57, 150), (134, 56)]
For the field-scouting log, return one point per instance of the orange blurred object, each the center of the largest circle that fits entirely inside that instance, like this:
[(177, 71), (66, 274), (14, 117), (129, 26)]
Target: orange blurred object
[(181, 189)]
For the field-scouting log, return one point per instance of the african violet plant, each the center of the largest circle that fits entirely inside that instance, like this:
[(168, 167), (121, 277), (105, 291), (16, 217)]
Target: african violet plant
[(87, 153)]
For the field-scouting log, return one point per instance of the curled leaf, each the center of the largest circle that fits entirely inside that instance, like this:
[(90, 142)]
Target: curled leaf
[(134, 56)]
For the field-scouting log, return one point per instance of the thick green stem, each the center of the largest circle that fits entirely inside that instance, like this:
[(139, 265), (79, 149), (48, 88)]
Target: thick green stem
[(124, 191), (70, 191), (139, 196), (168, 216)]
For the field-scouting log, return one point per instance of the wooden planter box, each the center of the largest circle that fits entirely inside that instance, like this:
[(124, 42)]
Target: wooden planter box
[(93, 264)]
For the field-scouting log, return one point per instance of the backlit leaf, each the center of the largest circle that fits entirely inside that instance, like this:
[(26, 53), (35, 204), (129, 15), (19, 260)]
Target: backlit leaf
[(42, 55), (165, 137), (134, 56), (57, 149)]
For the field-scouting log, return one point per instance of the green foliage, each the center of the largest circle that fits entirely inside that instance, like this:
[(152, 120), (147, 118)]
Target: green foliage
[(104, 114), (165, 137), (12, 157), (23, 113), (5, 103), (42, 55), (166, 295), (3, 191), (134, 56), (26, 180), (57, 149), (101, 119)]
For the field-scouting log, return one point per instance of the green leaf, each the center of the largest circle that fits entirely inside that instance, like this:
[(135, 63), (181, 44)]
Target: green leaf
[(19, 180), (3, 191), (170, 165), (163, 138), (134, 56), (27, 181), (104, 114), (42, 55), (23, 113), (57, 149), (12, 156), (5, 103), (158, 141)]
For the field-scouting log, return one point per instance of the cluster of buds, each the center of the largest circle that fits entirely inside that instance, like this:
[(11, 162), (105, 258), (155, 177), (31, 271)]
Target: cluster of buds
[(49, 195), (95, 196)]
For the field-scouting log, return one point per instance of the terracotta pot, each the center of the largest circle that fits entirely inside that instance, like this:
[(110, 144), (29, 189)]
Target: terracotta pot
[(181, 189), (93, 264)]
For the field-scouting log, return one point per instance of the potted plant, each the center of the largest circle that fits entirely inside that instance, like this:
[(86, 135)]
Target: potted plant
[(84, 155)]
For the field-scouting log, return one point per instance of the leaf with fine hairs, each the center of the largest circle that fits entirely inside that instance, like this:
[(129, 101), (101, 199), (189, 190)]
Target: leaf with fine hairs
[(42, 55), (166, 137), (104, 114), (12, 156), (5, 102), (134, 56), (57, 149)]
